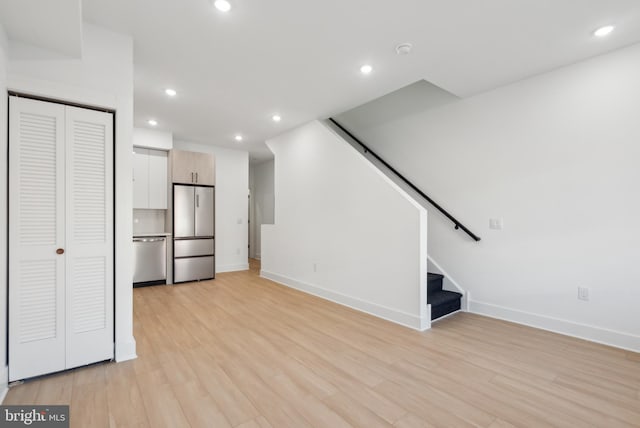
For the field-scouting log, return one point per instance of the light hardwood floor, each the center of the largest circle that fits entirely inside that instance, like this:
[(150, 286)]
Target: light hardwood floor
[(241, 351)]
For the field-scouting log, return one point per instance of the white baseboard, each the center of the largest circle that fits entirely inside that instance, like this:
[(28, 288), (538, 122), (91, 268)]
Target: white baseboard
[(4, 383), (569, 328), (389, 314), (126, 350), (232, 268)]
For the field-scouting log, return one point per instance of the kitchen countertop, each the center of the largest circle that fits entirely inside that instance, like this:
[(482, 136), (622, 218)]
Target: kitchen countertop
[(146, 235)]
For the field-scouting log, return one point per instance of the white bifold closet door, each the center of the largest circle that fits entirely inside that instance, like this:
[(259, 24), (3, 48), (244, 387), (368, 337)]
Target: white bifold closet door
[(60, 237)]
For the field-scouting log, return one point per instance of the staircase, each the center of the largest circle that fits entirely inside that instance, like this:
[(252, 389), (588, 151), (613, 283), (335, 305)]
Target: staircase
[(442, 302)]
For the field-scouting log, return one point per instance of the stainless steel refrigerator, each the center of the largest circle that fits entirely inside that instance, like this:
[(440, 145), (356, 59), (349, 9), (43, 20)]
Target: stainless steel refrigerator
[(193, 233)]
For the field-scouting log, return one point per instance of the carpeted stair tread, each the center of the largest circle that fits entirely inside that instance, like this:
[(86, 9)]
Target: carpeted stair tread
[(443, 303), (443, 297)]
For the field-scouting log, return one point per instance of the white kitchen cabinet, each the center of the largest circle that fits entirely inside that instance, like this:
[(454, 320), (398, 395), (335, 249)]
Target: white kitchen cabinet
[(61, 239), (193, 168), (140, 178), (158, 179), (149, 179)]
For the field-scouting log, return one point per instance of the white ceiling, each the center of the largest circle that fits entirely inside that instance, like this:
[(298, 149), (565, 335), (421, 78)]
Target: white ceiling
[(301, 58), (51, 25)]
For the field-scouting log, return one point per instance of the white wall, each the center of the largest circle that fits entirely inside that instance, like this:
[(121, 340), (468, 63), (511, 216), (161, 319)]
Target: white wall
[(3, 214), (232, 187), (557, 157), (343, 230), (152, 139), (103, 77), (262, 193)]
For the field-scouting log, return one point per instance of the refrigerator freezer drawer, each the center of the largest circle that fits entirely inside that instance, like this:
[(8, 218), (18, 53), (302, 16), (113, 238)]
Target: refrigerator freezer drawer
[(193, 247), (193, 269)]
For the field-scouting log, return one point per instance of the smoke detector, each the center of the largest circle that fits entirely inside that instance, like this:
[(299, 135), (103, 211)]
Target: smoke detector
[(403, 48)]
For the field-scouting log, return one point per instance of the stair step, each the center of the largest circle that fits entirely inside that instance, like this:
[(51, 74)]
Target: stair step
[(441, 297), (434, 282), (443, 303)]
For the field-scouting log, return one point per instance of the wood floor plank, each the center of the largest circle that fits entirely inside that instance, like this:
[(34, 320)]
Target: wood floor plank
[(223, 390), (585, 413), (242, 351), (126, 407), (353, 412), (499, 423), (439, 416), (160, 401), (344, 381), (277, 411), (198, 406), (56, 390), (259, 422), (482, 394), (412, 421), (89, 406), (25, 393)]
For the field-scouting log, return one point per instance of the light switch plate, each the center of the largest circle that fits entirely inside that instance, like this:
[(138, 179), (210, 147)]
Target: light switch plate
[(496, 223)]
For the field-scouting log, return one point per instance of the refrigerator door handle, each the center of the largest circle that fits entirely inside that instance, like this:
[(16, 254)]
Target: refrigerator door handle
[(197, 201)]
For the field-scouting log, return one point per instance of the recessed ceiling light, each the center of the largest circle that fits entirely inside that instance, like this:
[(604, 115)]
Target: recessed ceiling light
[(170, 92), (222, 5), (366, 69), (152, 122), (276, 118), (603, 31), (238, 138)]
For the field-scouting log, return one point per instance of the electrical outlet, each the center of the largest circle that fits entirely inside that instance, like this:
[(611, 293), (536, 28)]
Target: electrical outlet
[(583, 294)]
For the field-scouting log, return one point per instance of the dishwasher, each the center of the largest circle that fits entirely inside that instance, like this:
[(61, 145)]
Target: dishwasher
[(149, 261)]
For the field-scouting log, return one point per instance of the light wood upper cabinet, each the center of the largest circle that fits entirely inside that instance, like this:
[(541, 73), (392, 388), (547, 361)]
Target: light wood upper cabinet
[(149, 179), (193, 168)]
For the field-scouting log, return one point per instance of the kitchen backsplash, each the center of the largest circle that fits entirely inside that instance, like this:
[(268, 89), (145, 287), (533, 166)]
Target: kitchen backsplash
[(148, 221)]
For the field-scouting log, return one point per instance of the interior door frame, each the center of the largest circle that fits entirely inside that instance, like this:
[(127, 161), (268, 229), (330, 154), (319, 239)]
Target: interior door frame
[(113, 112)]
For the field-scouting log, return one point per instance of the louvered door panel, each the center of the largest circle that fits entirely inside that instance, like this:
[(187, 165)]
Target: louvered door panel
[(89, 294), (88, 182), (89, 147), (37, 220), (37, 152), (38, 301)]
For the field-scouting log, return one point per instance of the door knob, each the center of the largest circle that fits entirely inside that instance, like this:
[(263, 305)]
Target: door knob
[(60, 251)]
